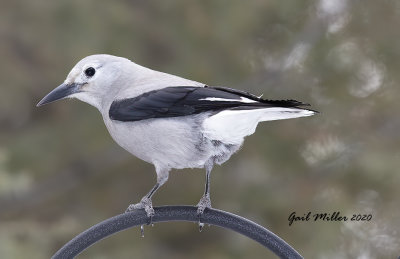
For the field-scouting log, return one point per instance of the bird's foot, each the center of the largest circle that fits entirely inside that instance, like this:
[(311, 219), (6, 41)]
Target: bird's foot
[(145, 204), (205, 202)]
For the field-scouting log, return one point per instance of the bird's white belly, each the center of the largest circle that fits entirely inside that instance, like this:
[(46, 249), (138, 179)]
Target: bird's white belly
[(166, 142)]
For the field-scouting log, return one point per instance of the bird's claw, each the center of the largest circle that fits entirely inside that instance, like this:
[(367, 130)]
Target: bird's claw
[(205, 202), (145, 204)]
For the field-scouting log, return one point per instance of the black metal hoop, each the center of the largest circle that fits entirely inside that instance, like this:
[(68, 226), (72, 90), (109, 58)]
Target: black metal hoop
[(177, 213)]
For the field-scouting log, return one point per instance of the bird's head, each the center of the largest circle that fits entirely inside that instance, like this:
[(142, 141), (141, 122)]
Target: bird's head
[(92, 80)]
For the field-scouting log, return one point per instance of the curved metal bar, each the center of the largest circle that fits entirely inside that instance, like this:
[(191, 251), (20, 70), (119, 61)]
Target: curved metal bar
[(177, 213)]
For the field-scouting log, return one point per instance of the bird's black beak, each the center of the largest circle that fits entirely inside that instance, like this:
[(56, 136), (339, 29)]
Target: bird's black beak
[(58, 93)]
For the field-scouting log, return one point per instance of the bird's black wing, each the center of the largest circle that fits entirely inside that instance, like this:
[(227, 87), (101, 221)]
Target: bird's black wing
[(178, 101)]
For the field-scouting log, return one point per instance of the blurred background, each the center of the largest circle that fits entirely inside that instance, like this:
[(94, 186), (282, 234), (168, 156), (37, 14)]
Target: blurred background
[(60, 171)]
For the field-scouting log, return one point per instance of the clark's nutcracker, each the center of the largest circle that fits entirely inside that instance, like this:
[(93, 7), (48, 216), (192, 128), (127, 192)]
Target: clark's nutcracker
[(167, 120)]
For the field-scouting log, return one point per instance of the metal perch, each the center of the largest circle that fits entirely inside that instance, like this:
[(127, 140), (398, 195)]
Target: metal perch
[(177, 213)]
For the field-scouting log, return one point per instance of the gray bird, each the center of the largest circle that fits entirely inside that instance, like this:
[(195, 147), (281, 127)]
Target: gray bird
[(169, 121)]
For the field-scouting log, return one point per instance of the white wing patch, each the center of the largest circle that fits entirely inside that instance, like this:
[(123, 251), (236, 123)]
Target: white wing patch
[(231, 126), (217, 99)]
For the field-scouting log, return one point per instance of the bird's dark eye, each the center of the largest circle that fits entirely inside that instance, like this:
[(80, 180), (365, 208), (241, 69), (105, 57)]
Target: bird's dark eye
[(90, 71)]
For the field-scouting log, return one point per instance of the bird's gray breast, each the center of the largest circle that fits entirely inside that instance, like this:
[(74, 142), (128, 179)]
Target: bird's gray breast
[(168, 142)]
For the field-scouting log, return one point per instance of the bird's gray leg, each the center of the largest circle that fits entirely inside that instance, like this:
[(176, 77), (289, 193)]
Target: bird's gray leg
[(205, 201), (145, 203)]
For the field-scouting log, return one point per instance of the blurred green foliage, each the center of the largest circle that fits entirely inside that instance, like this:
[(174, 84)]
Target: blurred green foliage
[(60, 172)]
